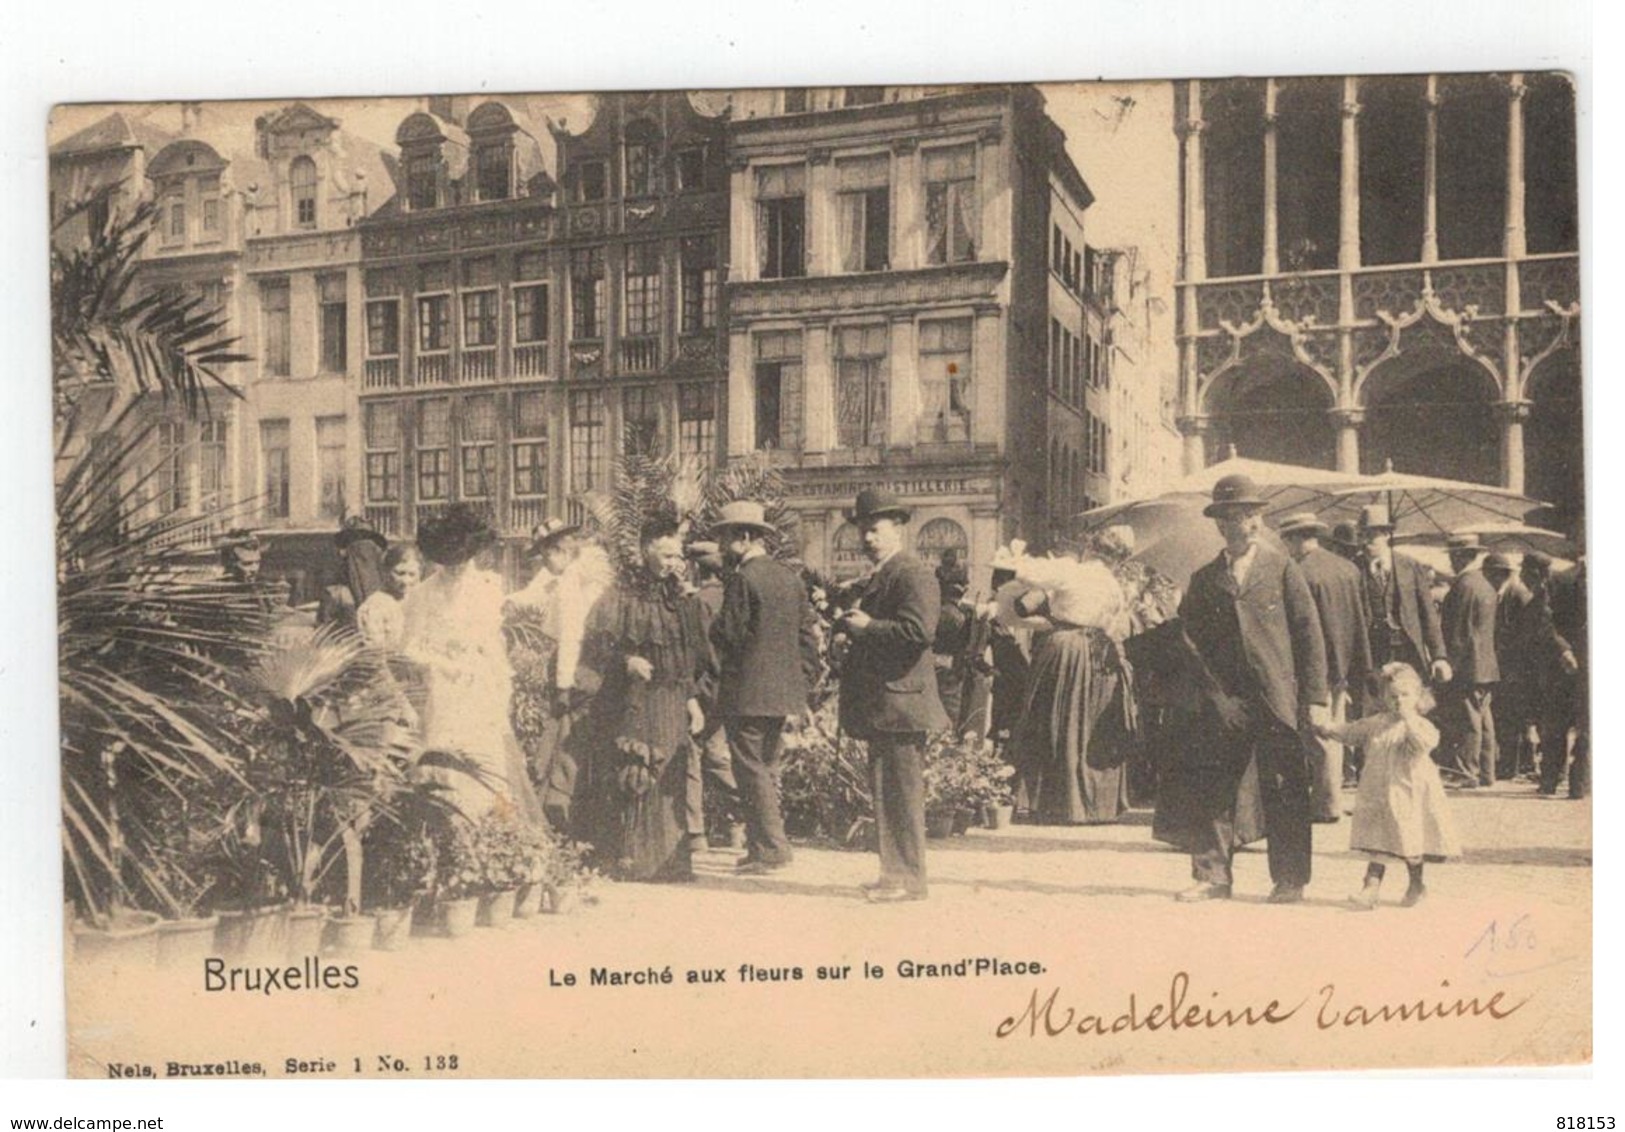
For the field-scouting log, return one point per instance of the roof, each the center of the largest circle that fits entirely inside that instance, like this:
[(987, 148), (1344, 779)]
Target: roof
[(118, 130)]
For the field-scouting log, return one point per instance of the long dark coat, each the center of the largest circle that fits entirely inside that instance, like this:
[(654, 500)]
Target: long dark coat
[(1468, 621), (1417, 616), (1345, 619), (889, 681), (766, 641)]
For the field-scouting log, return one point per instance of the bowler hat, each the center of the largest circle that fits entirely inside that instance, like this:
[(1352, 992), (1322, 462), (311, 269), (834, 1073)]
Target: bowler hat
[(745, 513), (1374, 517), (1537, 561), (1302, 523), (1234, 493), (1346, 534), (548, 532), (354, 530), (875, 503), (1497, 561), (1467, 540)]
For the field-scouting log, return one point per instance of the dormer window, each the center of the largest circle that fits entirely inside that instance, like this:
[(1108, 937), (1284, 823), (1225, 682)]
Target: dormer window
[(494, 168), (642, 159), (423, 180), (302, 187), (209, 200)]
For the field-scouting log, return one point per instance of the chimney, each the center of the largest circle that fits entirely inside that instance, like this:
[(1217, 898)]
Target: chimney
[(450, 107)]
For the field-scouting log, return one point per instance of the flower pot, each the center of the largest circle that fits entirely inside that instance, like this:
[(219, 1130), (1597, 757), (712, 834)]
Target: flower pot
[(495, 909), (392, 928), (256, 933), (963, 820), (186, 943), (527, 900), (999, 815), (738, 836), (305, 926), (562, 898), (426, 916), (456, 917), (940, 823), (349, 934), (131, 941)]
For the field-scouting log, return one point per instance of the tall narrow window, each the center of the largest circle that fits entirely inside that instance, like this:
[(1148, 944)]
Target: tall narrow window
[(478, 450), (172, 475), (276, 470), (587, 293), (480, 319), (381, 425), (1055, 356), (640, 422), (699, 284), (529, 444), (209, 201), (589, 429), (530, 313), (422, 180), (778, 389), (950, 204), (302, 185), (276, 325), (945, 380), (494, 168), (781, 229), (861, 386), (331, 456), (176, 232), (697, 421), (642, 289), (690, 166), (591, 181), (642, 156), (335, 318), (863, 203), (211, 471), (434, 323), (383, 328), (432, 441)]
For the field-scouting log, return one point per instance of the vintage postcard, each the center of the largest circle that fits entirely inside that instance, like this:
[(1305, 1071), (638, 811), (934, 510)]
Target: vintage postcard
[(880, 581)]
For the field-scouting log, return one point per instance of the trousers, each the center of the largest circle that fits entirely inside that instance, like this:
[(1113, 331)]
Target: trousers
[(1326, 781), (897, 781), (711, 759), (1283, 781), (1469, 749)]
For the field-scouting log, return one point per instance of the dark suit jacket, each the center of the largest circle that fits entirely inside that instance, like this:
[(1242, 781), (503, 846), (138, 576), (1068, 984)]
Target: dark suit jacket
[(1345, 621), (889, 682), (766, 641), (1468, 620), (1281, 660), (1418, 616)]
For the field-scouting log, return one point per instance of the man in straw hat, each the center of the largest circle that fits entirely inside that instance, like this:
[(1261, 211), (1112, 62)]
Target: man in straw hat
[(888, 693), (1468, 750), (767, 651), (1334, 583), (1252, 620)]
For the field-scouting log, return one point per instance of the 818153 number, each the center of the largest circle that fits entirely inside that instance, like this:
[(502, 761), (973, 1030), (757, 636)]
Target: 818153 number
[(1585, 1123)]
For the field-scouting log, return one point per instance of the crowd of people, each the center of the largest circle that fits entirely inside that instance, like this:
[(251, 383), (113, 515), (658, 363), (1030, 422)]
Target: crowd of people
[(1243, 706)]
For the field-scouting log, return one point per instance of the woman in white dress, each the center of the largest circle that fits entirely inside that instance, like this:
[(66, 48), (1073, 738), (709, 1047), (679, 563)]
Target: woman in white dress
[(452, 626)]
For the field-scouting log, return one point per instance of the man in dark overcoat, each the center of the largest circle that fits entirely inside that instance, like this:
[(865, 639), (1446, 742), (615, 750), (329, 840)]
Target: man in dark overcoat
[(1468, 750), (1252, 620), (766, 643), (1340, 601), (1512, 695), (711, 761), (1555, 635), (888, 693), (1404, 620)]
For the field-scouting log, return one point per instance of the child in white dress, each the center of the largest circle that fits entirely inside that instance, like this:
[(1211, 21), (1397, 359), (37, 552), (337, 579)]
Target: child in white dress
[(1400, 811)]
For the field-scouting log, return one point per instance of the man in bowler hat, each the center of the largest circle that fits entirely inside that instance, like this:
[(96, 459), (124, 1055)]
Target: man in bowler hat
[(766, 643), (888, 693), (1252, 619), (1404, 621), (1468, 751)]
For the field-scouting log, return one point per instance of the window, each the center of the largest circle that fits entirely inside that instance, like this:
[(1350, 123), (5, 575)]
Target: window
[(1055, 356), (432, 441), (699, 284), (1056, 260), (863, 212), (381, 423), (302, 185), (643, 289), (275, 468), (480, 318), (640, 422), (335, 317), (588, 431), (330, 460), (383, 328), (861, 394), (529, 443), (591, 182), (950, 204), (642, 154), (939, 536), (211, 464), (176, 233), (690, 166), (278, 328), (864, 95), (697, 421), (587, 293), (781, 229), (530, 313), (209, 198), (846, 552), (479, 453), (422, 180), (778, 389), (945, 380), (494, 171), (434, 323), (795, 100), (171, 467)]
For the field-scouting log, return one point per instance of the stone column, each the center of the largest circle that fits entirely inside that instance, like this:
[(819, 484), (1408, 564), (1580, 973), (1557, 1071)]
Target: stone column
[(1194, 431), (1516, 90), (1193, 269), (818, 388), (1272, 237), (903, 366), (742, 263), (823, 251), (1430, 176), (741, 397), (1348, 422), (908, 207), (990, 376), (1348, 241), (1515, 249), (1512, 414)]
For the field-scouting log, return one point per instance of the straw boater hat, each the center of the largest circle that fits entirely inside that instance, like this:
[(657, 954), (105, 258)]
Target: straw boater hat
[(1496, 561), (1467, 541), (1303, 524), (549, 532), (744, 513), (876, 503), (1234, 493)]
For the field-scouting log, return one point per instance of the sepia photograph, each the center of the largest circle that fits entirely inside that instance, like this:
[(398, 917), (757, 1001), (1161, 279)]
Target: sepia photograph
[(1078, 578)]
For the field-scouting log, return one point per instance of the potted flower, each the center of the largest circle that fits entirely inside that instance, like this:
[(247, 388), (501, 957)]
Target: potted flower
[(536, 852), (458, 877), (503, 866), (567, 875)]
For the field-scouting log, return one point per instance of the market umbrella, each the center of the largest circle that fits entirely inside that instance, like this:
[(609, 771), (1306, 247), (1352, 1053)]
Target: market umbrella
[(1425, 506), (1515, 538)]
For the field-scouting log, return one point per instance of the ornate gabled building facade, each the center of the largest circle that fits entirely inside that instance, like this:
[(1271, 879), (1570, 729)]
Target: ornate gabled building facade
[(538, 300), (1384, 271), (903, 311)]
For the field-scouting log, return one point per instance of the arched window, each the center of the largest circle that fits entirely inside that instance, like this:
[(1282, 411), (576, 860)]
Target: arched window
[(302, 184), (846, 552), (940, 535)]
